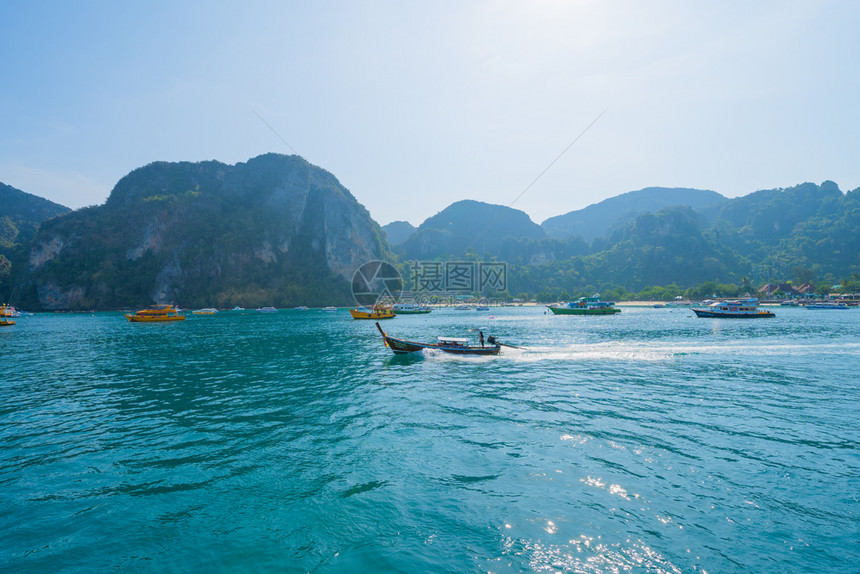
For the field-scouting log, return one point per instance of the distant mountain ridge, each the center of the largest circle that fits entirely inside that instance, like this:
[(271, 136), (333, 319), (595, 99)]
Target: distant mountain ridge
[(21, 213), (468, 225), (599, 218), (398, 231), (274, 230), (277, 230)]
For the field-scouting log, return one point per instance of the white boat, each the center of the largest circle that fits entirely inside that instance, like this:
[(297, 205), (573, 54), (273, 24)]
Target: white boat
[(329, 308), (410, 309), (733, 309), (463, 308), (839, 305), (267, 310)]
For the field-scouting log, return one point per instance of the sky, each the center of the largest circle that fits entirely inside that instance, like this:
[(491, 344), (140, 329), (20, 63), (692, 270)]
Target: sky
[(546, 106)]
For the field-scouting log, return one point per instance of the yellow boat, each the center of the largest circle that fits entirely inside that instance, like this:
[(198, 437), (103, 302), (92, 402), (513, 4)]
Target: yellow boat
[(4, 313), (377, 312), (206, 311), (156, 314)]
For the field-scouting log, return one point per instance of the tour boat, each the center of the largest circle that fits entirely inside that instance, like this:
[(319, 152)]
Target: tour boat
[(4, 316), (9, 311), (375, 312), (206, 311), (733, 309), (453, 345), (839, 305), (410, 309), (156, 314), (585, 306)]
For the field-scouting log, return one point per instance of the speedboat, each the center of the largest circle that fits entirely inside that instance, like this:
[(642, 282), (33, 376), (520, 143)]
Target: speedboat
[(733, 309), (205, 311), (156, 314)]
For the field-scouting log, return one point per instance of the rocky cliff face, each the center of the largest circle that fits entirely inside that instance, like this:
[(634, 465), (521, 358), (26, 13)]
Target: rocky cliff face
[(273, 231)]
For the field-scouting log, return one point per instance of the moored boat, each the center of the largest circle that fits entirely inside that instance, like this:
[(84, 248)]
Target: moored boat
[(375, 312), (410, 309), (9, 311), (837, 305), (453, 345), (733, 309), (330, 308), (156, 314), (5, 321), (585, 306), (205, 311)]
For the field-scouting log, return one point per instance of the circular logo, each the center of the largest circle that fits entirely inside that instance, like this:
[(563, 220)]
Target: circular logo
[(376, 283)]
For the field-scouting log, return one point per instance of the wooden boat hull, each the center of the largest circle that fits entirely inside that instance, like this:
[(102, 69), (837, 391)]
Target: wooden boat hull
[(573, 311), (708, 314), (402, 347), (376, 314)]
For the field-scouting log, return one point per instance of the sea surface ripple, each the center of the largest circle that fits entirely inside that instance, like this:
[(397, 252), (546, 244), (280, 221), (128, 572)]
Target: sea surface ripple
[(648, 441)]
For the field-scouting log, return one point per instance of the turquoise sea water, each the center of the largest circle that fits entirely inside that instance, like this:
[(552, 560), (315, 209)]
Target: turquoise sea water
[(648, 441)]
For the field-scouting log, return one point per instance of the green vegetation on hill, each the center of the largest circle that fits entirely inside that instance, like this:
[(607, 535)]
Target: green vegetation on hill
[(278, 231), (468, 226), (598, 219), (808, 233), (273, 231), (397, 232), (21, 214)]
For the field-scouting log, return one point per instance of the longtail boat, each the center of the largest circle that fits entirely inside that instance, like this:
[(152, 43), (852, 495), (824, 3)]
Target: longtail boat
[(156, 314), (453, 345)]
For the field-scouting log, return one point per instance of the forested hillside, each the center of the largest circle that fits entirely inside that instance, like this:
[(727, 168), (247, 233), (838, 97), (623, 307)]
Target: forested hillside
[(273, 231)]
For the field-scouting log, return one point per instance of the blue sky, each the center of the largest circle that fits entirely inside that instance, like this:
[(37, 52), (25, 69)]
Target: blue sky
[(415, 105)]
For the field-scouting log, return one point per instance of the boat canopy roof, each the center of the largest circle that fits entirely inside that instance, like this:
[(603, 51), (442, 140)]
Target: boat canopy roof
[(460, 340)]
